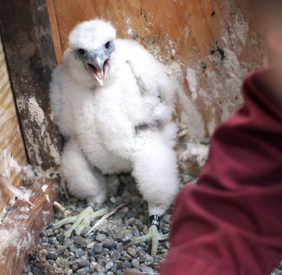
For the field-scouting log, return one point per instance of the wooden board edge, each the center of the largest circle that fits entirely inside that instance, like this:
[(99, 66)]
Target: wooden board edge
[(30, 55), (54, 28), (23, 223)]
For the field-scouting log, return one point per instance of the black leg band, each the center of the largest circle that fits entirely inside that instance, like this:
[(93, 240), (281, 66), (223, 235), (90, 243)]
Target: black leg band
[(155, 220)]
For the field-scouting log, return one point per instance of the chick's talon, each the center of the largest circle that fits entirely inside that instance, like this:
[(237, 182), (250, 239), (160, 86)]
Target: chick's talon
[(81, 220), (153, 234)]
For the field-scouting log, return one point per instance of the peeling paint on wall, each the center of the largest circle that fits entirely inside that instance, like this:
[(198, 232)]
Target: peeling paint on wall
[(38, 134)]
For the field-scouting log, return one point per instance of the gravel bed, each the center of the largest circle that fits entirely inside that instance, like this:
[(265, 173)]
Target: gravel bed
[(105, 251), (278, 270)]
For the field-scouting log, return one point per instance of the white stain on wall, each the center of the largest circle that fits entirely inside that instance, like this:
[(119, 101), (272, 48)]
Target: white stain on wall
[(35, 110), (192, 81), (8, 164), (241, 27), (190, 115)]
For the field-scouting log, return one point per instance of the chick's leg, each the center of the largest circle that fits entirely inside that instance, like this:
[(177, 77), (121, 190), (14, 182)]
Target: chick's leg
[(81, 221), (155, 171), (153, 235), (85, 182)]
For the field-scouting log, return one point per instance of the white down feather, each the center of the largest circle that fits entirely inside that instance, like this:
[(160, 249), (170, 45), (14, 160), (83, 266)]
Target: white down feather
[(123, 126)]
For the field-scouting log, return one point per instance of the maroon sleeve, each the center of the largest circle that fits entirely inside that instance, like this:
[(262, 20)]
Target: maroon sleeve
[(230, 222)]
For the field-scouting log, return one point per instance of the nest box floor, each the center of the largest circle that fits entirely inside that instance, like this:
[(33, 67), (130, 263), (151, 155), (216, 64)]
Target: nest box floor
[(105, 250)]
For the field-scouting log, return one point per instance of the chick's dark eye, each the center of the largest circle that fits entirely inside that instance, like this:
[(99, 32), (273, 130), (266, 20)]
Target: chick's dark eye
[(107, 45), (81, 51)]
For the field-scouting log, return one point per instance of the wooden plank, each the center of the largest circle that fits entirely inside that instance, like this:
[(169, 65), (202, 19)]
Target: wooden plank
[(30, 54), (22, 225), (55, 31), (215, 42), (12, 154)]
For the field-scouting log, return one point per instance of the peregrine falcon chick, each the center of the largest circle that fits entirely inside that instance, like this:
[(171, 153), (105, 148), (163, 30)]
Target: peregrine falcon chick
[(113, 102)]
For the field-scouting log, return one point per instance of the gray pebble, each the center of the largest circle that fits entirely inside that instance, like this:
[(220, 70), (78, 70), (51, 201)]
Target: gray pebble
[(60, 237), (79, 252), (84, 231), (83, 271), (115, 255), (101, 273), (131, 251), (83, 263), (109, 265), (43, 252), (131, 214), (90, 244), (61, 250), (72, 256), (130, 221), (119, 264), (49, 232), (66, 253), (100, 237), (124, 210), (45, 245), (138, 249), (93, 265), (100, 268), (53, 240), (81, 242), (68, 243), (114, 268), (52, 255), (148, 260), (27, 268), (166, 218), (125, 256), (120, 246), (75, 267), (37, 271), (113, 200), (91, 252), (126, 264), (72, 248), (135, 263), (110, 244), (148, 270), (98, 248), (45, 239), (51, 262)]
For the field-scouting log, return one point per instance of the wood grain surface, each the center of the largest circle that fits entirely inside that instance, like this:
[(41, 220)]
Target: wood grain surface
[(27, 41), (215, 44), (22, 225), (12, 155)]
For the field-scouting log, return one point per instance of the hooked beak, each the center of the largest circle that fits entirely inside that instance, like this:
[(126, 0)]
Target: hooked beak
[(99, 66)]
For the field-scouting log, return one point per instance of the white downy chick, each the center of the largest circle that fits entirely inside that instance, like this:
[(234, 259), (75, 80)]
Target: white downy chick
[(114, 102)]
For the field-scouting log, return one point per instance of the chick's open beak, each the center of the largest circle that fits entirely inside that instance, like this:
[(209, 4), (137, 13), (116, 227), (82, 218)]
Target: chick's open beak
[(99, 66)]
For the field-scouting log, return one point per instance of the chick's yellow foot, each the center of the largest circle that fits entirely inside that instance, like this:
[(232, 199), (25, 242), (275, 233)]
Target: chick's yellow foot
[(81, 220), (153, 234)]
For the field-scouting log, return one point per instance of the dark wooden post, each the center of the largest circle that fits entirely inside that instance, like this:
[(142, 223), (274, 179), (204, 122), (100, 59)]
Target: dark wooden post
[(30, 55)]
